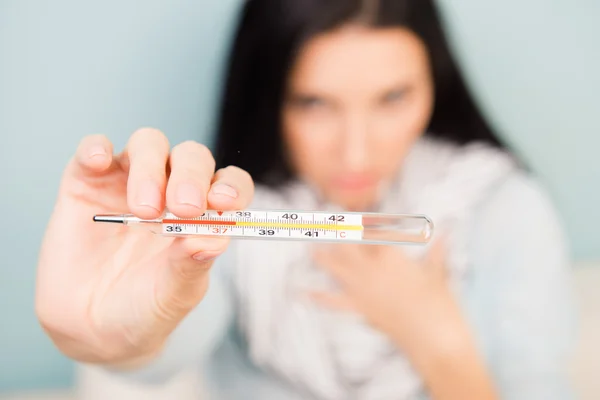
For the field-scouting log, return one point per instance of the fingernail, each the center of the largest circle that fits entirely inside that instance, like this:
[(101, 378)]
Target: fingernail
[(205, 256), (188, 194), (225, 190), (97, 151), (149, 195)]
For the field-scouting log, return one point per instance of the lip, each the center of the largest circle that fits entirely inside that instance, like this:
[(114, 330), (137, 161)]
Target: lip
[(354, 182)]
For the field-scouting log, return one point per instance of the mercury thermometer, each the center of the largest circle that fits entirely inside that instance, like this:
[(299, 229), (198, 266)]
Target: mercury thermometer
[(369, 228)]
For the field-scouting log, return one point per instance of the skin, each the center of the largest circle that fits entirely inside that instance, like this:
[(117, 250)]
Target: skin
[(357, 100), (112, 296), (347, 131)]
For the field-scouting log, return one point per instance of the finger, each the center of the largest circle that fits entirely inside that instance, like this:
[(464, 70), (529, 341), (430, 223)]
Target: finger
[(184, 282), (335, 301), (435, 258), (189, 257), (192, 168), (147, 151), (355, 256), (341, 268), (232, 189), (93, 155)]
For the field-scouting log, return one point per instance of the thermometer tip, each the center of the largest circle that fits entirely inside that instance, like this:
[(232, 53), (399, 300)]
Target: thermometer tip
[(117, 219)]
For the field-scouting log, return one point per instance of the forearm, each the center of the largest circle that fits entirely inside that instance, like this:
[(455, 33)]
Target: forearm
[(444, 352), (455, 371), (132, 364)]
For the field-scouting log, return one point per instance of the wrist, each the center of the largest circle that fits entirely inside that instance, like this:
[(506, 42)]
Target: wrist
[(136, 362), (436, 325), (441, 352), (450, 364), (438, 332)]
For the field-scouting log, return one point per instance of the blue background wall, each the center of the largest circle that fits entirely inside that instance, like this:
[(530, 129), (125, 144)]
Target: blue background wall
[(69, 68)]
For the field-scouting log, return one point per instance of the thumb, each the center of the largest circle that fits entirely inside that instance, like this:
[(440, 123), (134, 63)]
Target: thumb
[(183, 284)]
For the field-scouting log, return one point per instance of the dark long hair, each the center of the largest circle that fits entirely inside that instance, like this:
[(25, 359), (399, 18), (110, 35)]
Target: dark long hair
[(268, 38)]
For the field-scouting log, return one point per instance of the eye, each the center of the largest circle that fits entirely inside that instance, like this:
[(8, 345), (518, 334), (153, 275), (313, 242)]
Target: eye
[(394, 96), (307, 101)]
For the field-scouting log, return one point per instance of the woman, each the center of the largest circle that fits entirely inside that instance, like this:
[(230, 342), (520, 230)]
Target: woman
[(329, 105)]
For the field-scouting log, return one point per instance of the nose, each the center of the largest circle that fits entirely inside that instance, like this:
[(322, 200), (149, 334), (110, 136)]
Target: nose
[(355, 140)]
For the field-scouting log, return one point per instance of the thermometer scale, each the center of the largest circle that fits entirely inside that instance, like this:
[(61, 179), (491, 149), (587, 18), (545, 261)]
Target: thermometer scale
[(370, 228)]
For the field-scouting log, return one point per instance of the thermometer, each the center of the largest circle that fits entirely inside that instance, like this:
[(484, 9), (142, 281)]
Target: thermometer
[(355, 227)]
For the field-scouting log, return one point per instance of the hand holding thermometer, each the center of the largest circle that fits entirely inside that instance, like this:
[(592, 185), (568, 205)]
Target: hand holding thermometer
[(368, 228)]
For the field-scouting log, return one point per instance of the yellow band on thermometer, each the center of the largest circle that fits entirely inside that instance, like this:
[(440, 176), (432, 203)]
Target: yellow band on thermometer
[(284, 225)]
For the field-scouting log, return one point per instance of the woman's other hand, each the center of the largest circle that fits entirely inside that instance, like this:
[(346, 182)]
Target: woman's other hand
[(405, 298), (111, 294), (411, 302)]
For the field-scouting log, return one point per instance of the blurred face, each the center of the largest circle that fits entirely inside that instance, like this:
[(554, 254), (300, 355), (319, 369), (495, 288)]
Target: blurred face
[(357, 99)]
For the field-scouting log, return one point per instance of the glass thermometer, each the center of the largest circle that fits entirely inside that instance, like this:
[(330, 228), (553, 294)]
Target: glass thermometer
[(369, 228)]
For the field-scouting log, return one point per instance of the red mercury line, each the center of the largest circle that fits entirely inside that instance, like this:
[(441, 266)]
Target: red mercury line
[(197, 222)]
